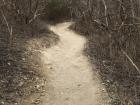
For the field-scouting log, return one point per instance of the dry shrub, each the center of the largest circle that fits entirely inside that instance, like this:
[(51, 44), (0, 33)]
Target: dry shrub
[(112, 27), (19, 22), (20, 16)]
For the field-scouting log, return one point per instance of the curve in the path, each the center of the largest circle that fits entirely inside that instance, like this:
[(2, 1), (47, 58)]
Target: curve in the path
[(71, 78)]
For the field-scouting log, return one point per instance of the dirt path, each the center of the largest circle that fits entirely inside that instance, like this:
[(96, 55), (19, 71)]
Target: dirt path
[(71, 78)]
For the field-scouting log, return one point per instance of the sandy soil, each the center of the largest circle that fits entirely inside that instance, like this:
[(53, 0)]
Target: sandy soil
[(72, 80)]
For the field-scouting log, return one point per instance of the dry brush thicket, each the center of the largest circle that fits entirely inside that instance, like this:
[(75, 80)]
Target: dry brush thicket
[(112, 27), (19, 15), (18, 23), (21, 21)]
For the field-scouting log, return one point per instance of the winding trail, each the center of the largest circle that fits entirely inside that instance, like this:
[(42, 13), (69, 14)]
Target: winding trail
[(72, 80)]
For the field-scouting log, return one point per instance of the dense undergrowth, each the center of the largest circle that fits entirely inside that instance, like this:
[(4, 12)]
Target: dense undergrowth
[(20, 75), (112, 28)]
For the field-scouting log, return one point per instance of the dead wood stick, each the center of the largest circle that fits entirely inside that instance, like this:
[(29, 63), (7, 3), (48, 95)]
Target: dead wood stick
[(10, 29), (105, 6), (131, 61)]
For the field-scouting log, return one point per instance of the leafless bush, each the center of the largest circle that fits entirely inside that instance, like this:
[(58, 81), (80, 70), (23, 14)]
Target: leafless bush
[(18, 19), (113, 28), (23, 10), (19, 15)]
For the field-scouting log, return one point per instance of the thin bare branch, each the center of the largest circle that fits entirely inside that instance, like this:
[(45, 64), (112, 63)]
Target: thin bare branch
[(10, 29), (105, 6), (131, 61)]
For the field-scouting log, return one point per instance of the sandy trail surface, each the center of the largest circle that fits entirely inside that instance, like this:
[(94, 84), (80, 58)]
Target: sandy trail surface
[(72, 79)]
